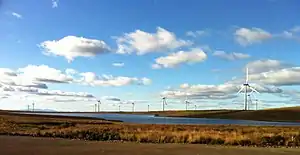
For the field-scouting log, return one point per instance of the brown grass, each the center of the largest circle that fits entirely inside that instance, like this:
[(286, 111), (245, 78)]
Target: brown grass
[(102, 130)]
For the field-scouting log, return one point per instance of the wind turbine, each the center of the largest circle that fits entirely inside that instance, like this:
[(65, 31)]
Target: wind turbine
[(186, 103), (132, 106), (148, 107), (255, 99), (99, 103), (33, 106), (164, 102), (95, 107), (246, 86)]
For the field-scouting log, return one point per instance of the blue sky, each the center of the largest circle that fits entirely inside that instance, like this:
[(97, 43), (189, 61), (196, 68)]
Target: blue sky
[(202, 44)]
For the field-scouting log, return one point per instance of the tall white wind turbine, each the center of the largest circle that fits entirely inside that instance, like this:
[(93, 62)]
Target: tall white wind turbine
[(164, 102), (246, 87)]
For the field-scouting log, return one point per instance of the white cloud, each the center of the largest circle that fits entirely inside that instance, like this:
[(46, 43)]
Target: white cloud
[(143, 42), (55, 3), (146, 81), (156, 66), (227, 90), (296, 29), (292, 33), (245, 36), (266, 65), (118, 64), (43, 73), (17, 15), (196, 33), (89, 78), (184, 86), (38, 76), (111, 98), (174, 59), (231, 56), (71, 71), (7, 72), (71, 47), (281, 77)]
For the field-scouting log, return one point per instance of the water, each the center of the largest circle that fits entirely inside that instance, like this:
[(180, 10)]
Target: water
[(151, 119)]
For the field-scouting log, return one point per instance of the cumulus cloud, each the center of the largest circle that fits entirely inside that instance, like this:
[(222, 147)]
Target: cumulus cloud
[(118, 64), (227, 90), (196, 33), (143, 42), (111, 98), (246, 36), (259, 66), (89, 78), (45, 92), (39, 76), (7, 72), (281, 77), (55, 3), (292, 33), (44, 73), (17, 15), (231, 56), (71, 47), (174, 59)]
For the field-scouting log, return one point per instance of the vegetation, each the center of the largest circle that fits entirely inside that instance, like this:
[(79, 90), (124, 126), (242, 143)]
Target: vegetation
[(290, 114), (102, 130)]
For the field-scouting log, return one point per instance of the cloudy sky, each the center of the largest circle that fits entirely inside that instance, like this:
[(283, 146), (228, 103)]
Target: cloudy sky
[(65, 55)]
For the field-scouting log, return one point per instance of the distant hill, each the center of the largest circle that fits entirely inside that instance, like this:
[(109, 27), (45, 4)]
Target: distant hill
[(286, 114)]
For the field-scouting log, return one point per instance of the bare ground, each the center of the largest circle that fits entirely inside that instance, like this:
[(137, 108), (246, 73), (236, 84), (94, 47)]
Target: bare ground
[(46, 146)]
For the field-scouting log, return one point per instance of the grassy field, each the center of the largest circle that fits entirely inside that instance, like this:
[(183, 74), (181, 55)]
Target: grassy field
[(290, 114), (47, 146), (103, 130)]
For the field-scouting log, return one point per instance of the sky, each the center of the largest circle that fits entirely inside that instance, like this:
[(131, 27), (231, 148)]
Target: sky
[(66, 55)]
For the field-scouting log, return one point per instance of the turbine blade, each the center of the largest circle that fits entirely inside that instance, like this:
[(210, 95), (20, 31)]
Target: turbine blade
[(240, 90), (253, 89)]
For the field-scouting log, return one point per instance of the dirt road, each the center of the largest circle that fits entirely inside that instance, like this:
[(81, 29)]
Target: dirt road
[(47, 146)]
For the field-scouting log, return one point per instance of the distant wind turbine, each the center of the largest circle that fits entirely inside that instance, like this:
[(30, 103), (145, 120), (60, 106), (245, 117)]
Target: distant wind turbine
[(132, 106), (99, 103), (255, 99), (33, 106), (186, 103), (246, 87), (164, 102)]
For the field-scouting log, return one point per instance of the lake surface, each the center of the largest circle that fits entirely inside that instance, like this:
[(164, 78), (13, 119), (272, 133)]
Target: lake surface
[(151, 119)]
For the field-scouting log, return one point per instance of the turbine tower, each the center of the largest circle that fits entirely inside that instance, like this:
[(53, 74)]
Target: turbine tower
[(186, 103), (255, 99), (33, 106), (99, 103), (246, 87), (148, 107), (132, 106), (164, 102)]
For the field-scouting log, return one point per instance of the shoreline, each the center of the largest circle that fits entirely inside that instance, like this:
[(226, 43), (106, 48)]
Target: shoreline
[(290, 115)]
